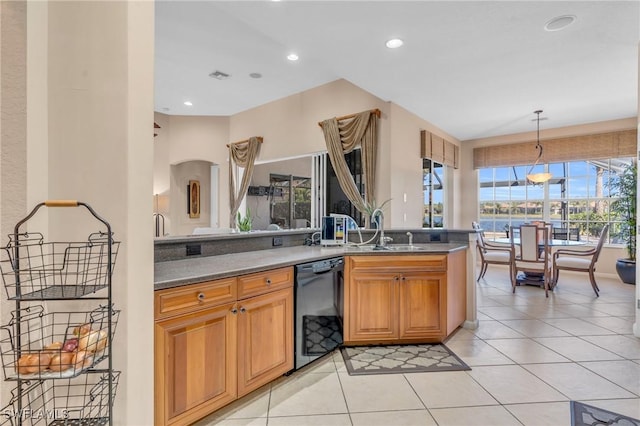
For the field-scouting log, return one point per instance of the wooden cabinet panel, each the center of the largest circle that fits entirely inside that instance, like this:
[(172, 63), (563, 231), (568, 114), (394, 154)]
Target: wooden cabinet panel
[(264, 282), (422, 303), (372, 303), (195, 364), (181, 300), (265, 339), (456, 290), (400, 263)]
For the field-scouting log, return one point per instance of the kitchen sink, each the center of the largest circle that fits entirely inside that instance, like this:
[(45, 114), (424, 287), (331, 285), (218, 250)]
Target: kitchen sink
[(389, 247)]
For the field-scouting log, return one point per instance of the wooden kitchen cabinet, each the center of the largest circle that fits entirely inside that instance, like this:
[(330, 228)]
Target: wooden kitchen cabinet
[(195, 364), (372, 306), (214, 343), (422, 305), (401, 299), (265, 339)]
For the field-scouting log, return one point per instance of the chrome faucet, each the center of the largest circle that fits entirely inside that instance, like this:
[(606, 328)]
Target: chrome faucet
[(380, 221), (410, 235)]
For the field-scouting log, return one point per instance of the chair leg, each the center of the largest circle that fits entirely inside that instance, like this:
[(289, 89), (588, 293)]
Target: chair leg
[(512, 278), (592, 278), (546, 285), (556, 272), (483, 270)]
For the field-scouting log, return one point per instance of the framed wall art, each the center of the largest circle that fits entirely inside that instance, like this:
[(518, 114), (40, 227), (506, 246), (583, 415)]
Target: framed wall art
[(193, 199)]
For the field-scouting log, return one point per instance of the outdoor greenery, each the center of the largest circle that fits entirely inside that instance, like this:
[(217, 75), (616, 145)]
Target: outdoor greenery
[(624, 185)]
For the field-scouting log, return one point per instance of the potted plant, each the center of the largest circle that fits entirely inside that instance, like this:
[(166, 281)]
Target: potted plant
[(624, 209), (370, 207), (244, 224)]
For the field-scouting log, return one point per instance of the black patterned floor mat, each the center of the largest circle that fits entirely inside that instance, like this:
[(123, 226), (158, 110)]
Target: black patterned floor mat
[(322, 334), (391, 359), (588, 415)]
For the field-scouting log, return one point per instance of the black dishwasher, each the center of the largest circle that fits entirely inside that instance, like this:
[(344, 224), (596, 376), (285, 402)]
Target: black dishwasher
[(318, 309)]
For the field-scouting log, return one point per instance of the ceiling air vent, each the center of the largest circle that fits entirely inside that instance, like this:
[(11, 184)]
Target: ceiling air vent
[(219, 75)]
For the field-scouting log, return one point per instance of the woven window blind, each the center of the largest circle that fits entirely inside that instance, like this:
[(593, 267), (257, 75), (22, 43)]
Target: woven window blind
[(439, 150), (577, 148)]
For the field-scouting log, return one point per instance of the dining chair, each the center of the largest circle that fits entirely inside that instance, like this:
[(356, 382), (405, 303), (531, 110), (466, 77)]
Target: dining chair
[(493, 254), (579, 260), (533, 255)]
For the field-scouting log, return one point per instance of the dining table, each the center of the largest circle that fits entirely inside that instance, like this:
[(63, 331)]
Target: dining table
[(533, 278)]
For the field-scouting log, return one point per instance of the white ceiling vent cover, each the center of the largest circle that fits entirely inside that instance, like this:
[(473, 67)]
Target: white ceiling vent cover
[(219, 75)]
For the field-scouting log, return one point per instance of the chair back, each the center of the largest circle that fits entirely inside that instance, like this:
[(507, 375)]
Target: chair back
[(480, 234), (534, 243), (603, 236)]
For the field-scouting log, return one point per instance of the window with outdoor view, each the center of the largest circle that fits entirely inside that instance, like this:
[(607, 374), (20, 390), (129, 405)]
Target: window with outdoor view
[(576, 200), (433, 190)]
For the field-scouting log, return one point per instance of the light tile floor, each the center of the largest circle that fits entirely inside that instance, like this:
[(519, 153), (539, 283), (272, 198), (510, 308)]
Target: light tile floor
[(529, 358)]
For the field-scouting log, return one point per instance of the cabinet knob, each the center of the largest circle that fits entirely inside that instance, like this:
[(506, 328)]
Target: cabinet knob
[(234, 311), (201, 296), (243, 310), (396, 278), (268, 280), (403, 278)]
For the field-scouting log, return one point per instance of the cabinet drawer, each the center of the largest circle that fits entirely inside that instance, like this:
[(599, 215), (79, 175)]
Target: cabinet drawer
[(404, 263), (194, 297), (264, 282)]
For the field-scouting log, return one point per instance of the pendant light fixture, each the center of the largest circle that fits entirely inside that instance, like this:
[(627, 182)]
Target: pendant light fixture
[(538, 178)]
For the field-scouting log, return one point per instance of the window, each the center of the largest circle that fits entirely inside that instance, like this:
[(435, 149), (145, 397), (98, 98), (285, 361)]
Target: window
[(576, 200), (433, 189)]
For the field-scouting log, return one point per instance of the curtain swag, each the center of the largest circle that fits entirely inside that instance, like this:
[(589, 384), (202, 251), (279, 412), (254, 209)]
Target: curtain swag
[(241, 154), (343, 136)]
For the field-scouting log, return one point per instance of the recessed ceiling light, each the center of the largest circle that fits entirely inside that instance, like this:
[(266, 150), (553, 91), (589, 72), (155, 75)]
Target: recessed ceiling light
[(188, 103), (255, 75), (292, 57), (394, 43), (559, 23)]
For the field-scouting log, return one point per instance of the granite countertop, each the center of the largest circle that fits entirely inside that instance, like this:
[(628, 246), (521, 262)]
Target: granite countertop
[(188, 271)]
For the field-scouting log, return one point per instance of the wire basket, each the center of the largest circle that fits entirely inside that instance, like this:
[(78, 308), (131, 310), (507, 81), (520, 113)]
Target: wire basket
[(81, 401), (55, 345), (33, 269)]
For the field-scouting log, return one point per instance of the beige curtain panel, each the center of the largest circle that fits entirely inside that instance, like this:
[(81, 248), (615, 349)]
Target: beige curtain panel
[(343, 136), (241, 154), (576, 148)]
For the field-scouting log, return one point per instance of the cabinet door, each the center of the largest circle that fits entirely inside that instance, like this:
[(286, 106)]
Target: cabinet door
[(265, 339), (195, 363), (372, 302), (422, 299)]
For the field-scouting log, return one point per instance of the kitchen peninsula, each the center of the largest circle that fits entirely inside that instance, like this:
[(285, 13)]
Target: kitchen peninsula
[(223, 323)]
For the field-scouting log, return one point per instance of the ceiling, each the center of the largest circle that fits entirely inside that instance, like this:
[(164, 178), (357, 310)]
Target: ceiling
[(473, 68)]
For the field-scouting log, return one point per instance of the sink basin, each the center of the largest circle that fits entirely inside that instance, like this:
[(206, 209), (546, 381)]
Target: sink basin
[(404, 247), (389, 247)]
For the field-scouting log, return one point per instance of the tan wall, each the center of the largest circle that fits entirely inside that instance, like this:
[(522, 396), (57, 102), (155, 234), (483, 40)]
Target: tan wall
[(405, 170), (290, 128), (179, 222), (89, 109)]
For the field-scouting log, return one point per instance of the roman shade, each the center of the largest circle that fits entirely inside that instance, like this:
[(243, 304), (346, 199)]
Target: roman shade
[(621, 143), (438, 149)]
